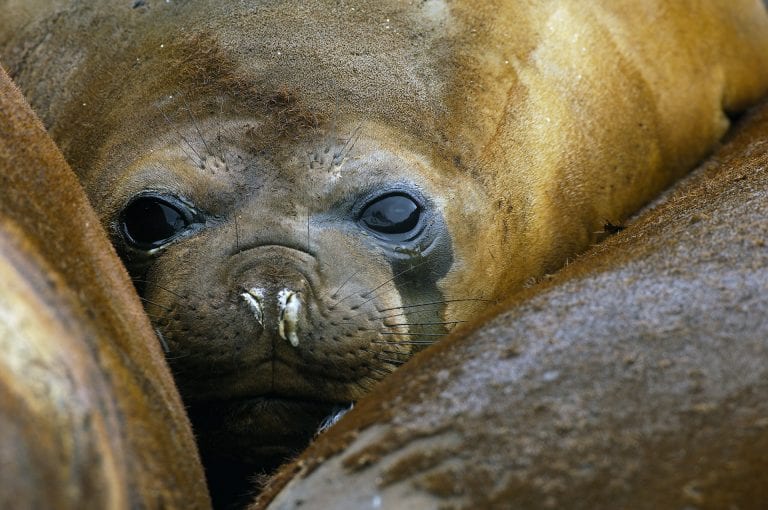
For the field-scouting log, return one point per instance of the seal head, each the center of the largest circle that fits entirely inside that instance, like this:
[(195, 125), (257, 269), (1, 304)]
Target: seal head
[(284, 282)]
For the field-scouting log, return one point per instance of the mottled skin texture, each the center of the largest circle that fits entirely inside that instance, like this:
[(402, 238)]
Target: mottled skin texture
[(89, 414), (523, 127), (635, 378)]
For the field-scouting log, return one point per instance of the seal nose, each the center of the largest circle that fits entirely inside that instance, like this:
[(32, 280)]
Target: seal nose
[(254, 298), (289, 309), (271, 284)]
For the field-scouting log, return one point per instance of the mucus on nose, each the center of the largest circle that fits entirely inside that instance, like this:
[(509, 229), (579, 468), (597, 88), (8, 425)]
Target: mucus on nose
[(254, 298), (289, 307)]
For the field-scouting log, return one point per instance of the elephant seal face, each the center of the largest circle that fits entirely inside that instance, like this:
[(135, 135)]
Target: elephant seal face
[(284, 278)]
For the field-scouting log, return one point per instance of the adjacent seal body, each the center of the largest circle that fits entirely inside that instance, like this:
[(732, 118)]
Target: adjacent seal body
[(635, 378), (307, 192), (89, 415)]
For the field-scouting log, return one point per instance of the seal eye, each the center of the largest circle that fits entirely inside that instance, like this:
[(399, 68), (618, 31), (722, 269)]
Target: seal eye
[(391, 215), (149, 221)]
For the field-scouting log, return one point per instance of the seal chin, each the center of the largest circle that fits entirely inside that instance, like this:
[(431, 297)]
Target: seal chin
[(262, 428), (248, 435)]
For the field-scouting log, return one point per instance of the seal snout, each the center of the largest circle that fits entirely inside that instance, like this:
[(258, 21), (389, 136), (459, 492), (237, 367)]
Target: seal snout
[(289, 309), (254, 298), (289, 306)]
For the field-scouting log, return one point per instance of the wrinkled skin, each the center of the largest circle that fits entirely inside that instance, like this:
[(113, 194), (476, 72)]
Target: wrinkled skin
[(519, 129), (89, 415), (635, 378)]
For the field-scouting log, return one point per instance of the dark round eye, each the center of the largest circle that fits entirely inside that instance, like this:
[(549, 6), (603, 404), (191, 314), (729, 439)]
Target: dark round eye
[(149, 221), (391, 214)]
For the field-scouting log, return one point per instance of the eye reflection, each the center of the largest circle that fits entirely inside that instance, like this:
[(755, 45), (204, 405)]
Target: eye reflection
[(392, 214), (149, 222)]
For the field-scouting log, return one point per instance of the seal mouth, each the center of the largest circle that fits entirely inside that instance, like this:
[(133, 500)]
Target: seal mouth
[(273, 381), (267, 401), (283, 404), (256, 427), (271, 404)]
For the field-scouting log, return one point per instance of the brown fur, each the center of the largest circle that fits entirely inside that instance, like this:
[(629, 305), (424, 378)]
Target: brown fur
[(635, 378), (89, 415), (575, 115)]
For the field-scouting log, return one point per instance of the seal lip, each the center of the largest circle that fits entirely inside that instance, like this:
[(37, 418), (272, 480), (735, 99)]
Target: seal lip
[(263, 425), (265, 400)]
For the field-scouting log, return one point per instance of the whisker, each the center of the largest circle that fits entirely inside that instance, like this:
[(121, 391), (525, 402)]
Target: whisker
[(155, 304), (387, 351), (197, 128), (194, 161), (390, 360), (404, 342), (222, 153), (381, 349), (385, 317), (331, 135), (349, 144), (336, 292), (158, 286), (411, 334), (237, 235), (199, 159), (167, 329), (445, 323), (435, 303), (180, 356), (373, 296), (381, 372), (163, 343), (395, 333)]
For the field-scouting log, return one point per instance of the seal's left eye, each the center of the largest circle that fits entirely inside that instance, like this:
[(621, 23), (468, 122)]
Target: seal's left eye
[(391, 214), (150, 221)]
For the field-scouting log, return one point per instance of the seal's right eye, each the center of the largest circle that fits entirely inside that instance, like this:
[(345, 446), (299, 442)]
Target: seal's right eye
[(151, 221), (395, 216)]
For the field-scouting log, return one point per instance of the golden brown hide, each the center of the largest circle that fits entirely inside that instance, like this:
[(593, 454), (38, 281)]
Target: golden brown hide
[(635, 378), (89, 414)]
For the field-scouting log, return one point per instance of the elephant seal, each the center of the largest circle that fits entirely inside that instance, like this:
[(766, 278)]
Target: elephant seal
[(307, 192), (635, 378), (89, 414)]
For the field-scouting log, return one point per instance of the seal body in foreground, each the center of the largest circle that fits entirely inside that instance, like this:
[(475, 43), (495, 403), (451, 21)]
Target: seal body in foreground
[(306, 192), (89, 415), (635, 378)]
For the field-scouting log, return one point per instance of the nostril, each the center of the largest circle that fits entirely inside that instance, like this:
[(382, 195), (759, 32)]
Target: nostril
[(289, 306), (254, 298)]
